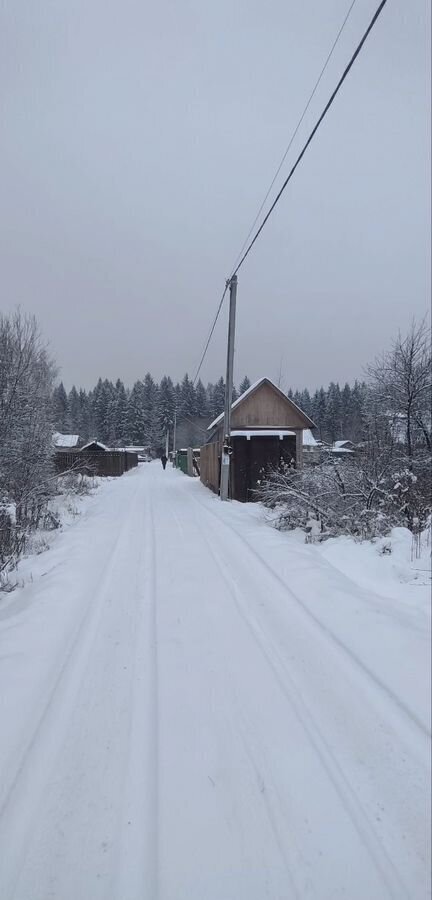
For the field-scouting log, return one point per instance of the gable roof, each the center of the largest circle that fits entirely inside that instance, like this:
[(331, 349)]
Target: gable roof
[(65, 440), (94, 443), (340, 444), (251, 390)]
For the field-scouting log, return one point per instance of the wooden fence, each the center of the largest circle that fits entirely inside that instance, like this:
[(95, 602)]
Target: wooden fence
[(210, 466), (105, 463)]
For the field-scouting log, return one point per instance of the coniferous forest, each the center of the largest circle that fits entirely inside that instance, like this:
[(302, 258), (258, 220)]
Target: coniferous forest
[(140, 415)]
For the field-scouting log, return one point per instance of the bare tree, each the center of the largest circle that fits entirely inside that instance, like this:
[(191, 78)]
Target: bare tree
[(26, 383), (388, 481), (401, 381)]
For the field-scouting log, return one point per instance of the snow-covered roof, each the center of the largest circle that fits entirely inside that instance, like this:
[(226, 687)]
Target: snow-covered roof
[(65, 440), (94, 443), (308, 439), (263, 432), (250, 390), (337, 450), (340, 444)]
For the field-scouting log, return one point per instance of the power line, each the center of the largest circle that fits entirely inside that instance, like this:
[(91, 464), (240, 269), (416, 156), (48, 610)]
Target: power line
[(298, 160), (211, 334), (317, 83), (313, 132)]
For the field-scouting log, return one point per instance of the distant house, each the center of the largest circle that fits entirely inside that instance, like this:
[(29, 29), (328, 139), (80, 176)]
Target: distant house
[(95, 458), (266, 431), (95, 447), (343, 445), (310, 443), (144, 452), (65, 442)]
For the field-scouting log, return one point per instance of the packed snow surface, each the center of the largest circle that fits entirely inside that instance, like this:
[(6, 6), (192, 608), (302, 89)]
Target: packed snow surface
[(196, 707)]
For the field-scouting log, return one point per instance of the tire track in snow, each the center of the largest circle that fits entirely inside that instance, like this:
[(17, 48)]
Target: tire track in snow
[(347, 796), (32, 771), (326, 632), (137, 875)]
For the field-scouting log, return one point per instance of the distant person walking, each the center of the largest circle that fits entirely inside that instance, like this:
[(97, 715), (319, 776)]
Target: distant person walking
[(164, 460)]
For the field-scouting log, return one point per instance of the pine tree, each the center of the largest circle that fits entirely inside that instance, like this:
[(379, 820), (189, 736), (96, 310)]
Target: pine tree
[(201, 399), (166, 407), (99, 410), (188, 397), (150, 411), (245, 385), (84, 415), (319, 411), (61, 409), (135, 416), (74, 405), (358, 411), (120, 416), (333, 413), (107, 404), (346, 412), (218, 398), (306, 402)]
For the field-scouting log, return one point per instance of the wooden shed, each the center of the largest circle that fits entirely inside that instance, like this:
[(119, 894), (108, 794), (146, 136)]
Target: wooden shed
[(266, 430), (96, 459)]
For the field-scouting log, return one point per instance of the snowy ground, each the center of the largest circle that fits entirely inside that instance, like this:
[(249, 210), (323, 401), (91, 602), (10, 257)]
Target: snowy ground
[(196, 707)]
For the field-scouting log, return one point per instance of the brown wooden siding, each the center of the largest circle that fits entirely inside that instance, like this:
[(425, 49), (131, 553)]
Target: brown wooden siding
[(265, 408), (210, 466), (111, 463)]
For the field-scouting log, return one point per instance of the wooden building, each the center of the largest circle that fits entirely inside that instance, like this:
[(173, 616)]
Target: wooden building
[(266, 430), (95, 459)]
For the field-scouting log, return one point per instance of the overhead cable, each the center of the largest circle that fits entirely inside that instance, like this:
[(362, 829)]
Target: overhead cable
[(211, 333), (313, 132), (294, 134)]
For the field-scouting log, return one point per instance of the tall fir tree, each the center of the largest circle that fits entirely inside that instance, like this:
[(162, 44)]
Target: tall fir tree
[(166, 408), (188, 397), (333, 414), (150, 411), (61, 409), (135, 416), (244, 385), (74, 405), (201, 399), (84, 415), (319, 405), (120, 402), (218, 398)]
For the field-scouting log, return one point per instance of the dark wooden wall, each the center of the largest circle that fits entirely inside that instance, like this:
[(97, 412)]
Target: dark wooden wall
[(105, 463)]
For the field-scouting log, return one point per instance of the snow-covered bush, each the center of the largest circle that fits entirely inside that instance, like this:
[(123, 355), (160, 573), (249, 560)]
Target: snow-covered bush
[(387, 483), (365, 497)]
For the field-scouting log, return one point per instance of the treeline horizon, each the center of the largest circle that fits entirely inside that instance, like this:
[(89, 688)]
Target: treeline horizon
[(141, 415)]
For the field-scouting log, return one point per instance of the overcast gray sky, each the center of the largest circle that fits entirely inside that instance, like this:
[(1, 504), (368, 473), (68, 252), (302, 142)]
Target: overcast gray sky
[(137, 141)]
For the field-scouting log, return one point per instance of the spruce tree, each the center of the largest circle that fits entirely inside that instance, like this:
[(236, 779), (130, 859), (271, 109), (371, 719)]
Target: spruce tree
[(245, 385), (61, 409), (150, 411), (74, 405), (218, 398), (188, 397), (166, 408), (333, 413), (135, 416), (201, 399)]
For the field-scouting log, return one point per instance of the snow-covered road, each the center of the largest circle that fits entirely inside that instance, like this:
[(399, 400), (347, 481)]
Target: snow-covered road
[(194, 709)]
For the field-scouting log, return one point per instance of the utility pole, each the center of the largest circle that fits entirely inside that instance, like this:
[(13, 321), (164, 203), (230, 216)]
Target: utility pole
[(226, 448), (175, 434), (167, 443)]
